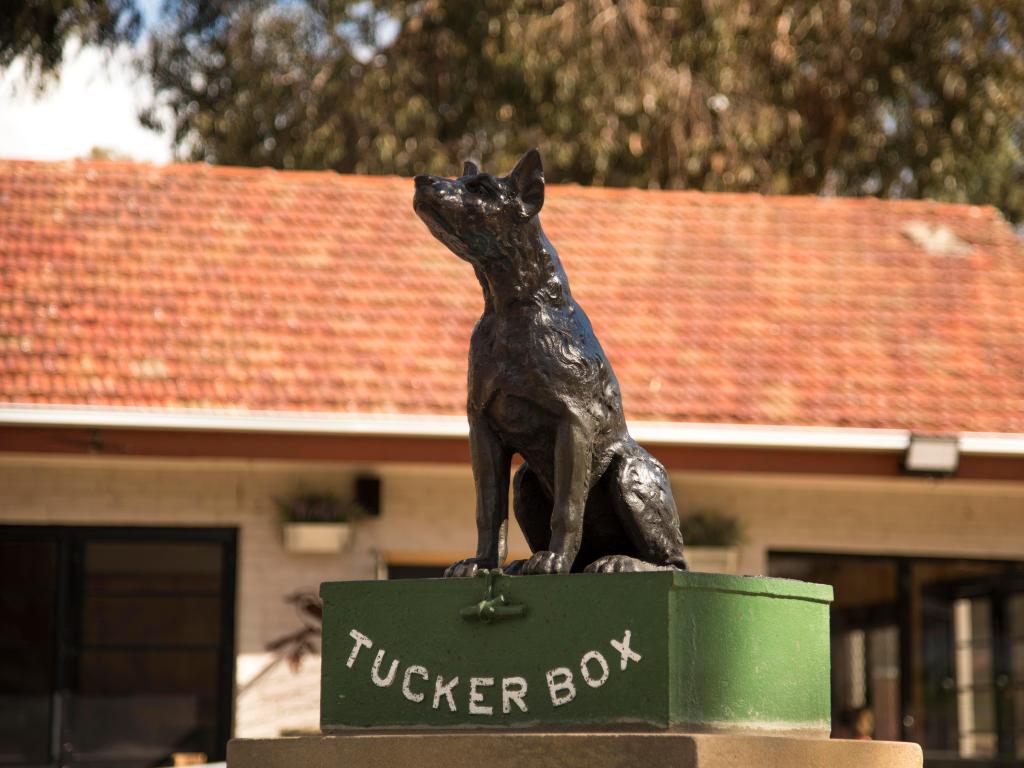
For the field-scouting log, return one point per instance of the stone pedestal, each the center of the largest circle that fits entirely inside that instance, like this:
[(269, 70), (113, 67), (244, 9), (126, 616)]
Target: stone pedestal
[(657, 670), (567, 750), (628, 651)]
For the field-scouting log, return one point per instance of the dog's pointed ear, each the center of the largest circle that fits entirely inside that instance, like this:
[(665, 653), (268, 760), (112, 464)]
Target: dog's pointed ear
[(469, 168), (528, 179)]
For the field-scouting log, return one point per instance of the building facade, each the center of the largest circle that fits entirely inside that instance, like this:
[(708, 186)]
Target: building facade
[(185, 346)]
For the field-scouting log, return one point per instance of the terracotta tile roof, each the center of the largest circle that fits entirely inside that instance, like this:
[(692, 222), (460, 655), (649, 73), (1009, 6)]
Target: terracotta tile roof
[(203, 287)]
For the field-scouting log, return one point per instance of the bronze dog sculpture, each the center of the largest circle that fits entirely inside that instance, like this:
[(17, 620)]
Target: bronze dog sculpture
[(587, 497)]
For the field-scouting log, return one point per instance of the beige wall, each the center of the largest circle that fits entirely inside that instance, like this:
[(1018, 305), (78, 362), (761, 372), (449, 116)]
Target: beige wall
[(894, 516), (428, 513)]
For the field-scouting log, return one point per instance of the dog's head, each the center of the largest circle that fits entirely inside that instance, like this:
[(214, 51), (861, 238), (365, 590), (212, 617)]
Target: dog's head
[(479, 216)]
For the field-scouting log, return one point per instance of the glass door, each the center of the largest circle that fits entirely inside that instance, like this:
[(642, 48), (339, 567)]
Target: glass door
[(123, 652), (929, 650), (29, 570), (967, 704), (1014, 693)]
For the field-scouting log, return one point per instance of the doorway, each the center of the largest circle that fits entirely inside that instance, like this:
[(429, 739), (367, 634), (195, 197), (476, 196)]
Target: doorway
[(931, 648), (117, 646)]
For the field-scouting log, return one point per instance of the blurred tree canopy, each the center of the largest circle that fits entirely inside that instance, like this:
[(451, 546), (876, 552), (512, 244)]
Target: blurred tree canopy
[(39, 29), (899, 98)]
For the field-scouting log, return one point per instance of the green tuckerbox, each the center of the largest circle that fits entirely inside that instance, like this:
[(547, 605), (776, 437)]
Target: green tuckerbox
[(663, 650)]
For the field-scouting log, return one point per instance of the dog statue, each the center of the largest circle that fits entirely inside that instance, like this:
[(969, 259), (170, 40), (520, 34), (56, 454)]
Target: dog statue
[(587, 497)]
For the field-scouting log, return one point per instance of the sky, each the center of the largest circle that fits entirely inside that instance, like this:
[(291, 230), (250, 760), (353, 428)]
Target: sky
[(95, 103)]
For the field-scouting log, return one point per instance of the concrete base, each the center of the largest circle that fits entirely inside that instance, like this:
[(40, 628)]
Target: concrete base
[(567, 750)]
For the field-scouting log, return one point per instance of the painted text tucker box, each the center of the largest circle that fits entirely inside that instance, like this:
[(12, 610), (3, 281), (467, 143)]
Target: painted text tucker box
[(637, 651)]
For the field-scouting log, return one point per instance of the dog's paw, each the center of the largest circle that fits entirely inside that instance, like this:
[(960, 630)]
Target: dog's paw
[(515, 568), (623, 564), (468, 567), (546, 562)]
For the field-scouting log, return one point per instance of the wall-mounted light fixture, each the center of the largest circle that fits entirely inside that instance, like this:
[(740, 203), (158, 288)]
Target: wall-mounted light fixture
[(932, 455)]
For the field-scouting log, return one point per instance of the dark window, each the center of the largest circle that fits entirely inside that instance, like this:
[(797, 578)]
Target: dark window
[(28, 615), (926, 650), (124, 653), (416, 571)]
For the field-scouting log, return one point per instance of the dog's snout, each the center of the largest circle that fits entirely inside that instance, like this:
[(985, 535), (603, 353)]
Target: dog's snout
[(423, 180)]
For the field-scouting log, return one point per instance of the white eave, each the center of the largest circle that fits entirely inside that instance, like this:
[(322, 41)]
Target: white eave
[(427, 426)]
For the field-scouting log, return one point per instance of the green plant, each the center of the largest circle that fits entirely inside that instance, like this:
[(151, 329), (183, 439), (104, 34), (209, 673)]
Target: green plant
[(295, 646), (711, 529), (314, 507)]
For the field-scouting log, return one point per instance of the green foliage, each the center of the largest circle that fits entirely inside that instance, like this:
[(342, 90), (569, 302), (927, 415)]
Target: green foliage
[(907, 98), (899, 98), (711, 529), (305, 641), (316, 507), (39, 29)]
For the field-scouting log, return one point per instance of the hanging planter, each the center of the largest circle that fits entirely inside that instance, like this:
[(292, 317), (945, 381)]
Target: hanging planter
[(712, 541), (316, 538), (713, 559), (317, 523)]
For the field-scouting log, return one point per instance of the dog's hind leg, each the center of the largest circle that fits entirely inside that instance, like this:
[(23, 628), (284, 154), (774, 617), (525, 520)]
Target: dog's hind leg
[(641, 496), (532, 509)]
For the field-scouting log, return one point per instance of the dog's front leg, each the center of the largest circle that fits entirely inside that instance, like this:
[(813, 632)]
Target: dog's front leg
[(491, 467), (573, 451)]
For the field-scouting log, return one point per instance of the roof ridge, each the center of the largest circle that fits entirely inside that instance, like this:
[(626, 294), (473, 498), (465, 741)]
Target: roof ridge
[(192, 167), (985, 210)]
